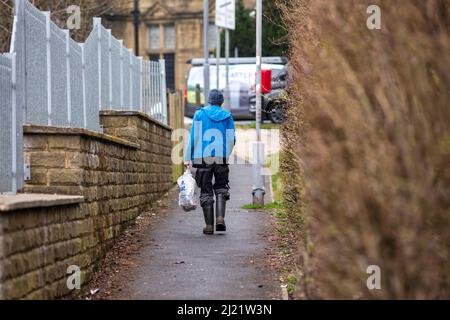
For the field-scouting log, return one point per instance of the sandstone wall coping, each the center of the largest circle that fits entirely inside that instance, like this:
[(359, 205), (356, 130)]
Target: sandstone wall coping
[(29, 200), (38, 129), (134, 113)]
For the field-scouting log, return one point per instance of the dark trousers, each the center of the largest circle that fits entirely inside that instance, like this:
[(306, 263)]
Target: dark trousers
[(204, 177)]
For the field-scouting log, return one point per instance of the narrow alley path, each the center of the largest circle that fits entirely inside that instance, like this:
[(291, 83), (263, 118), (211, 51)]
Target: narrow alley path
[(178, 262)]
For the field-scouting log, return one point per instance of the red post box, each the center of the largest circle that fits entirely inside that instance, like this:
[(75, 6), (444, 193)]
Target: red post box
[(266, 81)]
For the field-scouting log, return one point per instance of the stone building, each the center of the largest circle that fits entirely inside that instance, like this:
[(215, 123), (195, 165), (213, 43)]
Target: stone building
[(169, 29)]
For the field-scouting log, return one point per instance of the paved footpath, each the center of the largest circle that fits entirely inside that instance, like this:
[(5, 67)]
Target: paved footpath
[(179, 262)]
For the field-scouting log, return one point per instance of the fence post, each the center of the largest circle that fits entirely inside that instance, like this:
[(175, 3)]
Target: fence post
[(49, 67), (131, 79), (121, 74), (110, 68), (152, 88), (69, 90), (14, 122), (146, 91), (19, 12), (149, 92), (158, 89), (157, 79), (140, 85), (162, 64), (98, 23), (83, 80), (143, 86), (171, 110)]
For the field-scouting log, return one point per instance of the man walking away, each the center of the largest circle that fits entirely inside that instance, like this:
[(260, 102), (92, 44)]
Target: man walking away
[(212, 139)]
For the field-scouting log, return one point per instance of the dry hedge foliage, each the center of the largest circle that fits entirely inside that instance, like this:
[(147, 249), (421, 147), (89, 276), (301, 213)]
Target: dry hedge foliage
[(367, 146)]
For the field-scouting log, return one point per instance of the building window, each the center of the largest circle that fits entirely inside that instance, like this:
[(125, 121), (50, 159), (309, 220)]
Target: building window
[(154, 57), (170, 71), (155, 39), (163, 45), (169, 37)]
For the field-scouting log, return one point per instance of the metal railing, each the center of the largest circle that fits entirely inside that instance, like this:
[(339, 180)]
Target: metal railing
[(49, 79)]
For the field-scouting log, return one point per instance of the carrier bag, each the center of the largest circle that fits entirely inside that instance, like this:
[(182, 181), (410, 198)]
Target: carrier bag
[(187, 198)]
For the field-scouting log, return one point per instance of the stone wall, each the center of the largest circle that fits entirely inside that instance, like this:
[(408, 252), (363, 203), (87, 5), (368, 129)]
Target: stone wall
[(119, 173), (154, 139), (38, 243)]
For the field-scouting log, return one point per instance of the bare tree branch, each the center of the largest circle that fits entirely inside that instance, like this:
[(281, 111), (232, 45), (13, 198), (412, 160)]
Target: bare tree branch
[(89, 9)]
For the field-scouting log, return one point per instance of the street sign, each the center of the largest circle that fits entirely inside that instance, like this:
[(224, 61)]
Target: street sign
[(225, 14)]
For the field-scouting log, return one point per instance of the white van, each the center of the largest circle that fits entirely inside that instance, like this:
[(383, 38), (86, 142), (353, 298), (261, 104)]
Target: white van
[(242, 76)]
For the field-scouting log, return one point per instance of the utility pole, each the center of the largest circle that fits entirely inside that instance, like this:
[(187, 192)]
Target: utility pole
[(226, 18), (227, 57), (258, 148), (135, 14), (218, 57), (206, 49)]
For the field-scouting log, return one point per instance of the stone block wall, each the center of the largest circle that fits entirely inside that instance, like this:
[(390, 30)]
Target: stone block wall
[(119, 173), (154, 140), (38, 244)]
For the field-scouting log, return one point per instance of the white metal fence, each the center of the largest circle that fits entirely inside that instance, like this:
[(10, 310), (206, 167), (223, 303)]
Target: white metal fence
[(11, 134), (49, 79)]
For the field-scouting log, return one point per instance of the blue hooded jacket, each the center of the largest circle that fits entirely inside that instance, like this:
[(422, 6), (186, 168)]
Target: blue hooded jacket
[(212, 134)]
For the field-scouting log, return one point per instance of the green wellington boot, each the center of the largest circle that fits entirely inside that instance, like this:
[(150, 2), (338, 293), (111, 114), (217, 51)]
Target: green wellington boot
[(208, 212), (220, 212)]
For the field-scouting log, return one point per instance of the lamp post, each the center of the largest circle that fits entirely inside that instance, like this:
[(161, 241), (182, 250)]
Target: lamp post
[(227, 70), (206, 49), (135, 14), (258, 148)]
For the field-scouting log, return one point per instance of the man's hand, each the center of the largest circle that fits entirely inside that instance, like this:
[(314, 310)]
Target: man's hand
[(187, 165)]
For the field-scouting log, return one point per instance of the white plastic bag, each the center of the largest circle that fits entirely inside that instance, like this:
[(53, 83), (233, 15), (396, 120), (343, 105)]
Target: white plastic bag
[(187, 199)]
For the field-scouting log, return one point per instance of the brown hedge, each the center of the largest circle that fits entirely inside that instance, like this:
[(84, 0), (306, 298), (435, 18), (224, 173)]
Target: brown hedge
[(368, 147)]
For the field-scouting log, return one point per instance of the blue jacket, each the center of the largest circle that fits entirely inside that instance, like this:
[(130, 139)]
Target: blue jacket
[(212, 134)]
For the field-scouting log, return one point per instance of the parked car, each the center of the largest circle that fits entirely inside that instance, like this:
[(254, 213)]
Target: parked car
[(274, 103), (242, 73)]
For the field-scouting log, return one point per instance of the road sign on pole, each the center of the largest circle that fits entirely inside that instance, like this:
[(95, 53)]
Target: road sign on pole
[(225, 14)]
